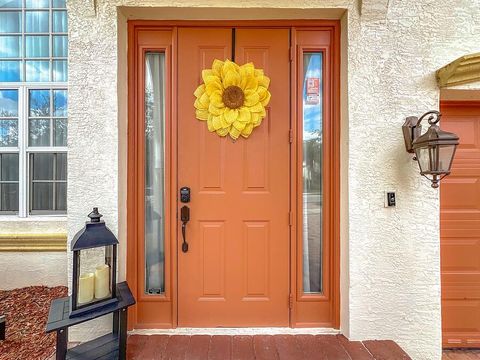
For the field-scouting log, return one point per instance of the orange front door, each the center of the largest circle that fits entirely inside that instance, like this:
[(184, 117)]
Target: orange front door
[(460, 229), (236, 271)]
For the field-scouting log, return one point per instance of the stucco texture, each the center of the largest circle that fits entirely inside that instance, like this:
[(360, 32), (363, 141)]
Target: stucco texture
[(390, 257), (20, 269)]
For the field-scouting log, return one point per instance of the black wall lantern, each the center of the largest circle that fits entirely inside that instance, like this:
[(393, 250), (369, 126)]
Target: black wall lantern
[(94, 267), (434, 150)]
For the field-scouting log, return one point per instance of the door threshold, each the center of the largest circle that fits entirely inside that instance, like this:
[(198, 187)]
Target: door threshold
[(237, 331)]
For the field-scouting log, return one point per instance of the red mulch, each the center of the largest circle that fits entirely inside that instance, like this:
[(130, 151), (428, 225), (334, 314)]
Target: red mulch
[(26, 313)]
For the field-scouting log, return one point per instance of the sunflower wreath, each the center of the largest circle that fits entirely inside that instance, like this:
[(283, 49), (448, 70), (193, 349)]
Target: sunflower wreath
[(232, 98)]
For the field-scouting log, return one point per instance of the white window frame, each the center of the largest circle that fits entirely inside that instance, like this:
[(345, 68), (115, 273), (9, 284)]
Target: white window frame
[(23, 87), (24, 150)]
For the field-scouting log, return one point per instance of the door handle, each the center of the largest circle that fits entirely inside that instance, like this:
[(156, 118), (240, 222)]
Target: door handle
[(185, 217)]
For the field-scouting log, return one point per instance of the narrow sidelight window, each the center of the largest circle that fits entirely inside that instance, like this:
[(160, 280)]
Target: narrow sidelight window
[(154, 173), (312, 172)]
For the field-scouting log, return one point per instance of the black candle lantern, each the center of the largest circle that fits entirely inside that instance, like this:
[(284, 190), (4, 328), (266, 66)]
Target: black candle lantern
[(94, 267)]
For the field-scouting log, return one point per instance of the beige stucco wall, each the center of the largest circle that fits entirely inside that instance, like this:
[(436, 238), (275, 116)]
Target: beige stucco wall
[(390, 257), (19, 269)]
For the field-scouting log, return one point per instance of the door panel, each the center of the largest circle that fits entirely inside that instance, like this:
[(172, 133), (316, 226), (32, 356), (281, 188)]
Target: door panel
[(460, 229), (236, 272)]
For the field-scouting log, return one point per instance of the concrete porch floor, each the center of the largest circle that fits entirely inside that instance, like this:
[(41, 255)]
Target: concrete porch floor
[(262, 347)]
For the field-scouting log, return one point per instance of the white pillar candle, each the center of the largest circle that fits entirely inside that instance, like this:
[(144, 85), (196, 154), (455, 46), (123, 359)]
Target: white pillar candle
[(102, 281), (85, 288)]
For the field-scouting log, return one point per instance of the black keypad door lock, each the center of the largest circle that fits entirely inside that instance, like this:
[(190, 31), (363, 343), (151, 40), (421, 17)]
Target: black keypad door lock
[(185, 194)]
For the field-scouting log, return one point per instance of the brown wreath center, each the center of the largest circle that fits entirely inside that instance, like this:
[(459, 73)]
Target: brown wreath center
[(233, 97)]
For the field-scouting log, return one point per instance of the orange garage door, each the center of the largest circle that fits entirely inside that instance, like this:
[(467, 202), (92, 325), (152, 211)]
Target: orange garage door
[(460, 229)]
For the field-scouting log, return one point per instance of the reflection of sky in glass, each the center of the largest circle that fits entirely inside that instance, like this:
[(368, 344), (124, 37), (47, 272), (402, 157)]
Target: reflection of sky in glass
[(312, 114), (36, 4), (36, 46), (37, 70), (60, 103), (10, 46), (8, 103), (9, 71), (10, 21), (60, 21), (37, 21), (39, 102), (11, 4), (60, 70)]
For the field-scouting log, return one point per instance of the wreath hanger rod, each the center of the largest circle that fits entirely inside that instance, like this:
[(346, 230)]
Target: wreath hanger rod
[(233, 44)]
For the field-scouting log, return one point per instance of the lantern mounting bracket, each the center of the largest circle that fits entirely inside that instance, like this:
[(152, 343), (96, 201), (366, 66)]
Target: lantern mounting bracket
[(412, 127)]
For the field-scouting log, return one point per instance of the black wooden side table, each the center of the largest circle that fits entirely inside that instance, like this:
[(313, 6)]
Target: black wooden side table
[(2, 327), (112, 346)]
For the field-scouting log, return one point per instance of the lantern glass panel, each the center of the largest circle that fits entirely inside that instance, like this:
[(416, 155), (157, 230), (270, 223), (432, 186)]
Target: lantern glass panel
[(445, 157), (423, 157), (95, 274)]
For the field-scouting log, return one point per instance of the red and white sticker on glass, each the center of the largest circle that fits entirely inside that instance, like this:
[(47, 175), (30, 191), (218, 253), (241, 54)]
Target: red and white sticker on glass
[(313, 91)]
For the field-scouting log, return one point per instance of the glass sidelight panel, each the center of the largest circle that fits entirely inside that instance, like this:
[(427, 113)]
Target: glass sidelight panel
[(312, 172), (154, 173)]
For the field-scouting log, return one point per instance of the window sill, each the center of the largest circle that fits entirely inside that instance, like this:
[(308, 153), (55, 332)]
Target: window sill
[(33, 218)]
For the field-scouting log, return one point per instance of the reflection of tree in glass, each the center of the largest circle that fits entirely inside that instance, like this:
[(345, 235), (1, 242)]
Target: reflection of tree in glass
[(149, 131), (7, 113), (312, 163), (40, 104), (8, 131), (60, 132), (39, 129)]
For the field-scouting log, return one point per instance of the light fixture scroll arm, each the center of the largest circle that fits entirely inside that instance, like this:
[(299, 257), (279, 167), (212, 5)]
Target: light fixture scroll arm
[(433, 117)]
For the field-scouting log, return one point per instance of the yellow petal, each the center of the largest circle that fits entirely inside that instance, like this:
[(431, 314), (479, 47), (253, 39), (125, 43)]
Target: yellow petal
[(204, 100), (216, 99), (213, 84), (239, 125), (200, 106), (244, 115), (258, 72), (210, 124), (217, 67), (229, 66), (263, 81), (263, 113), (199, 91), (225, 124), (234, 133), (259, 122), (257, 108), (231, 115), (217, 122), (201, 114), (249, 83), (214, 110), (251, 98), (256, 119), (222, 132), (206, 74), (247, 72), (262, 92), (247, 130), (265, 99), (231, 78)]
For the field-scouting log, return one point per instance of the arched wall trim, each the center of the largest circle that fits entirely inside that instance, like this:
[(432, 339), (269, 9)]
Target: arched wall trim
[(465, 69)]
